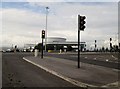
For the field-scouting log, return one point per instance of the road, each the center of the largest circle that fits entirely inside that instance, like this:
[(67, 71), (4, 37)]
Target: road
[(89, 58), (18, 73)]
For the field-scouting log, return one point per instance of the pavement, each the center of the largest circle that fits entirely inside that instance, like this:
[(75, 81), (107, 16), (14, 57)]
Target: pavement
[(88, 76)]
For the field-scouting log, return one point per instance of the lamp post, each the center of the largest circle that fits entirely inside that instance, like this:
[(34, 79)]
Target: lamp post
[(46, 28)]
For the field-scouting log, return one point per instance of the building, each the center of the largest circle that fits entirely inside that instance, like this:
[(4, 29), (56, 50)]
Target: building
[(57, 43)]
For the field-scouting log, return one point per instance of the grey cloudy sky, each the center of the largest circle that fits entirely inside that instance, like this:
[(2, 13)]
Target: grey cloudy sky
[(22, 22)]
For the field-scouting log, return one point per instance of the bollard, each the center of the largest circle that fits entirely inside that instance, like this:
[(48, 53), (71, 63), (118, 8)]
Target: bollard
[(65, 50), (60, 51), (36, 53)]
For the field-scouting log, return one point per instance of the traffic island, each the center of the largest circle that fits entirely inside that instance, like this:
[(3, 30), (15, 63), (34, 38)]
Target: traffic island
[(88, 76)]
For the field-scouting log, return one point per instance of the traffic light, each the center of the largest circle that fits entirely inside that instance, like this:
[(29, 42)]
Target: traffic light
[(43, 34), (110, 39), (81, 22), (95, 41), (15, 46)]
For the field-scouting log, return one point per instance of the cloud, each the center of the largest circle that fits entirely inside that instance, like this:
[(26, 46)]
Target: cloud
[(61, 0), (20, 25), (101, 21), (18, 40)]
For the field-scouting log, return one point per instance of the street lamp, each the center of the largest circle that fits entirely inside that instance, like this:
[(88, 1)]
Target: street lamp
[(46, 28)]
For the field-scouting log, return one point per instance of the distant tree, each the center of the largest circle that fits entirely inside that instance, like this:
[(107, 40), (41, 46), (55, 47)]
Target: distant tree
[(103, 49), (100, 50), (50, 47), (115, 48), (69, 48), (38, 46), (97, 50), (106, 49)]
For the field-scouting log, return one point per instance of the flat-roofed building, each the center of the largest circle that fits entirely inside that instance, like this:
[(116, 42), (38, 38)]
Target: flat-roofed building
[(57, 43)]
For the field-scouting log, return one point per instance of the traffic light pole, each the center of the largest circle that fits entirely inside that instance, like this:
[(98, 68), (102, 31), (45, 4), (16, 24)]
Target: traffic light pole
[(43, 36), (42, 49), (78, 48), (81, 27), (78, 41)]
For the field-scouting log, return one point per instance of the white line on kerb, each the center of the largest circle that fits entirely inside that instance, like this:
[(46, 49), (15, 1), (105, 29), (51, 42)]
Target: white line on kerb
[(112, 84)]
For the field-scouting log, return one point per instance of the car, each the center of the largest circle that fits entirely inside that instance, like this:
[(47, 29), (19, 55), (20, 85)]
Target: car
[(3, 51), (8, 50)]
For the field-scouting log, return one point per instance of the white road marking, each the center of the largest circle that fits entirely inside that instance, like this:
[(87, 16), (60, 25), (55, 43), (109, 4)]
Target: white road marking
[(115, 84), (107, 59), (114, 57)]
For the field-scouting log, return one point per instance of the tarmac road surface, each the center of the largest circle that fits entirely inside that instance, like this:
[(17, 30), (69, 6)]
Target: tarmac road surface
[(88, 58), (18, 73)]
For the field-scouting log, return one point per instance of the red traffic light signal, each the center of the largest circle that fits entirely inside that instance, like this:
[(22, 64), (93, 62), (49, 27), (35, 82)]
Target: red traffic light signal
[(43, 33), (81, 22)]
